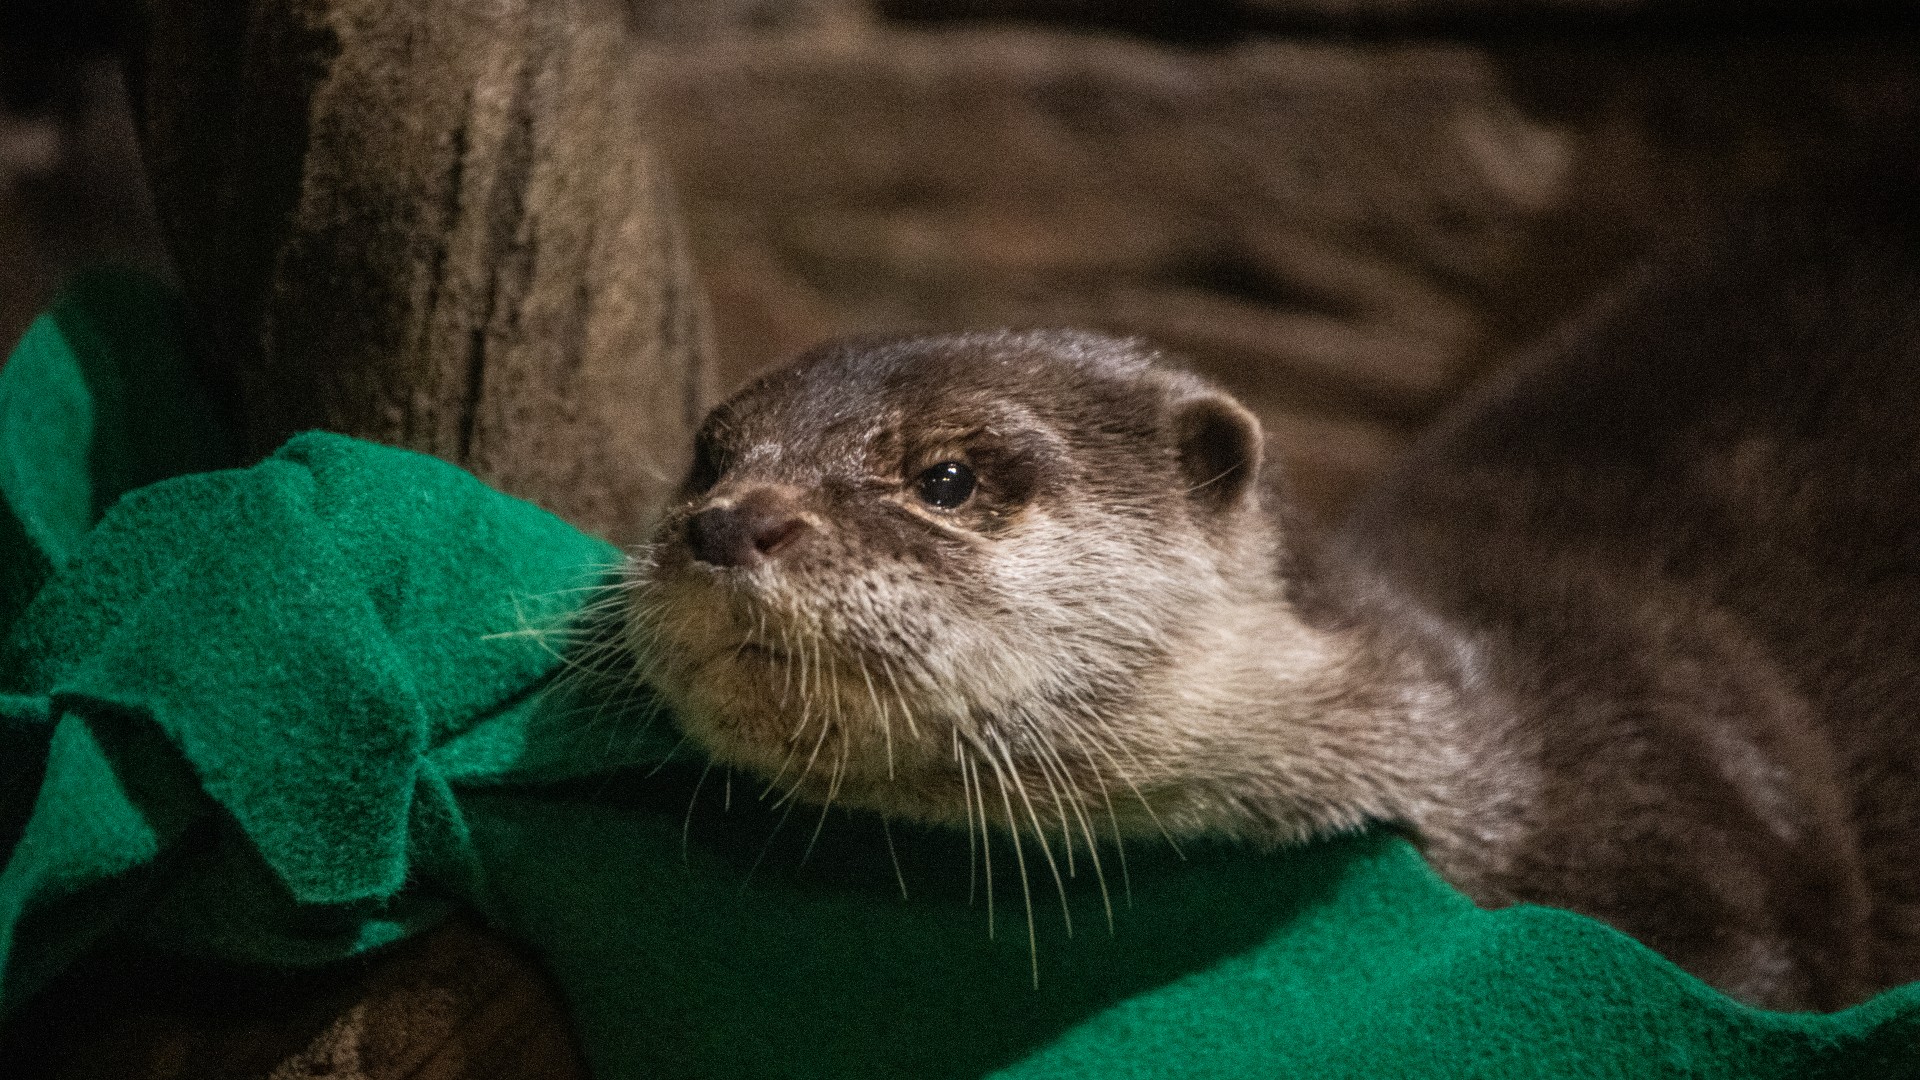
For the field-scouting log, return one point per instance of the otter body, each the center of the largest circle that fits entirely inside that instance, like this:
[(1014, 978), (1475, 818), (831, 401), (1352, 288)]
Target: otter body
[(1635, 631)]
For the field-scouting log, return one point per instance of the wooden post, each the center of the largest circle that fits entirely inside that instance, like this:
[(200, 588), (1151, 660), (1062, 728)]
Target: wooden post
[(436, 224)]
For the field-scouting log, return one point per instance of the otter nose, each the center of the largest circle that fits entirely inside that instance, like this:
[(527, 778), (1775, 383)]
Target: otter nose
[(760, 525)]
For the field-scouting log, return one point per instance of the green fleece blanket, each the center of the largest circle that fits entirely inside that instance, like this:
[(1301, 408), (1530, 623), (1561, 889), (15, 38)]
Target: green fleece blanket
[(289, 713)]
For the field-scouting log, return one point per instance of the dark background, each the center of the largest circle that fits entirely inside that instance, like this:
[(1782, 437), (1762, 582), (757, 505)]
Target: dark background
[(1345, 209)]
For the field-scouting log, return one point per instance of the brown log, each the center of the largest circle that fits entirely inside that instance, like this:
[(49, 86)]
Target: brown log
[(437, 225), (455, 1004)]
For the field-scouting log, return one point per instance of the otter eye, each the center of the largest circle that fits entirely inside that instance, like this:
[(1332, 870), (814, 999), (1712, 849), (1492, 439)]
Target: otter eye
[(945, 485)]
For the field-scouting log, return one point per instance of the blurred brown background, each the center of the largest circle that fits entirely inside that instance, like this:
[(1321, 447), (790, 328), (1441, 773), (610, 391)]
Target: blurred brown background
[(1346, 210), (72, 191), (1341, 208)]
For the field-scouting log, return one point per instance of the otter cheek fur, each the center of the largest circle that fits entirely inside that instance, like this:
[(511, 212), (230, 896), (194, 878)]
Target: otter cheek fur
[(1635, 631), (970, 578)]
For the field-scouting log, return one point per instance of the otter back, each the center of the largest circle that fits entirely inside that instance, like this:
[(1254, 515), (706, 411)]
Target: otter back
[(1684, 545), (1635, 631)]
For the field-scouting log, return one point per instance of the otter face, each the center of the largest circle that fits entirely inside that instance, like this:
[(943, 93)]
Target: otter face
[(899, 567)]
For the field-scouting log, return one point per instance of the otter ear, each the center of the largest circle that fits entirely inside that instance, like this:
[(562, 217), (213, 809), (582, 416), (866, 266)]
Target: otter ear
[(1220, 448)]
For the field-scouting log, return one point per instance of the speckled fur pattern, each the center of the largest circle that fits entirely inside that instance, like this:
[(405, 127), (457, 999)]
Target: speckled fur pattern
[(903, 656), (1635, 632)]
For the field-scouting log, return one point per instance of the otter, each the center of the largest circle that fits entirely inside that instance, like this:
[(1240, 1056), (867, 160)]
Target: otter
[(1633, 631)]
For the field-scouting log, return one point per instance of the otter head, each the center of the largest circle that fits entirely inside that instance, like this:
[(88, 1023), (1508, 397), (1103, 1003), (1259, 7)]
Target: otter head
[(901, 569)]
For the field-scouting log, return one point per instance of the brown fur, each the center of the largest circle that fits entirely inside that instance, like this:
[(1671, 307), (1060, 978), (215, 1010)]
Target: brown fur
[(1633, 633), (1686, 539)]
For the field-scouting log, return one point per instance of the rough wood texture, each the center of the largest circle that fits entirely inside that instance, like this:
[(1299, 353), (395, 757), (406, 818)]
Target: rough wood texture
[(438, 226), (454, 1005)]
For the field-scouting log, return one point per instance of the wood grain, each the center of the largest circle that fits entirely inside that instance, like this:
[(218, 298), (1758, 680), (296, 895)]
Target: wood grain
[(438, 226)]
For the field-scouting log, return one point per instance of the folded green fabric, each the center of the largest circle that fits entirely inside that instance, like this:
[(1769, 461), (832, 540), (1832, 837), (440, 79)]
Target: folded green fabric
[(289, 713)]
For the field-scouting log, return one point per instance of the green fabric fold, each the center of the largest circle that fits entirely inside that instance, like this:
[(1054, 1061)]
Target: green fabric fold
[(289, 713)]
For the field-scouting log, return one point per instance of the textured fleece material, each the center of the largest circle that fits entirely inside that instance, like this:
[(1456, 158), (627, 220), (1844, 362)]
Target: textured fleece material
[(289, 713)]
